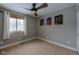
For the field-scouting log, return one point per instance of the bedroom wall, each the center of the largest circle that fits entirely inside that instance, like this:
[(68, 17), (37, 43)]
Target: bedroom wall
[(64, 34), (77, 7), (31, 27)]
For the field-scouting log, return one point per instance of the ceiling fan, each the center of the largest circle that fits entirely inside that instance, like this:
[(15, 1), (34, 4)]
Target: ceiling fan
[(34, 9)]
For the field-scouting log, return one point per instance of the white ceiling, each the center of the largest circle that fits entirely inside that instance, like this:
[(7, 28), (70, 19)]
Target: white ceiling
[(20, 7)]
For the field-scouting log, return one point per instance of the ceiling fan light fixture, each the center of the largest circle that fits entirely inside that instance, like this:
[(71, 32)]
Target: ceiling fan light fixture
[(33, 11)]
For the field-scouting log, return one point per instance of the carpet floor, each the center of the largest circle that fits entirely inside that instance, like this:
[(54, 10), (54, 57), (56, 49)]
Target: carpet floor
[(37, 47)]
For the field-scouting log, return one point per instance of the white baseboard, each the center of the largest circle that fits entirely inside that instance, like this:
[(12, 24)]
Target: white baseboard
[(15, 43), (61, 45)]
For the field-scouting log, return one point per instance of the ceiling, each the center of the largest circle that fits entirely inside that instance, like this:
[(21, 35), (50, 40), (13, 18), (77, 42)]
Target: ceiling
[(20, 7)]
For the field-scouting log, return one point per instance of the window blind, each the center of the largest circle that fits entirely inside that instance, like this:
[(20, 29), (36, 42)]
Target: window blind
[(16, 16)]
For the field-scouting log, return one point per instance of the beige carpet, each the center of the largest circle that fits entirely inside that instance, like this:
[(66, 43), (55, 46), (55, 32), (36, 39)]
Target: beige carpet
[(37, 47)]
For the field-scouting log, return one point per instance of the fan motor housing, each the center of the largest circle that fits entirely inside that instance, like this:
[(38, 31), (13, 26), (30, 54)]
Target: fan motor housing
[(34, 9)]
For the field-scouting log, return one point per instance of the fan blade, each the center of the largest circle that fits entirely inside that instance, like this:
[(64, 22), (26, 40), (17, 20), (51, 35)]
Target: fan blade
[(35, 14), (43, 6)]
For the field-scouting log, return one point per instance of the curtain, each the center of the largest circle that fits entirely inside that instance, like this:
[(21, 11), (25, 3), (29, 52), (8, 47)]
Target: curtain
[(25, 25), (6, 33)]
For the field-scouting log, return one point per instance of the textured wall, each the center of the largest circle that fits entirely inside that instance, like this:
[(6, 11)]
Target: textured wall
[(63, 34), (31, 26)]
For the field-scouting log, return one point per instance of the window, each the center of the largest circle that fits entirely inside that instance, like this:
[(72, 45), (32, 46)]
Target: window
[(12, 24), (20, 25), (16, 24)]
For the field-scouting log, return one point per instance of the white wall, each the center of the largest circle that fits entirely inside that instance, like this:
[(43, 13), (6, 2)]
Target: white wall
[(64, 34), (31, 27), (77, 7)]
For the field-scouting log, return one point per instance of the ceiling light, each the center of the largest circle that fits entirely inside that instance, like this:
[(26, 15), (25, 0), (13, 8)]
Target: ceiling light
[(34, 11)]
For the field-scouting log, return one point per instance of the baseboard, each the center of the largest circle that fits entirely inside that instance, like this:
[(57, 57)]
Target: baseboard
[(58, 44), (15, 43)]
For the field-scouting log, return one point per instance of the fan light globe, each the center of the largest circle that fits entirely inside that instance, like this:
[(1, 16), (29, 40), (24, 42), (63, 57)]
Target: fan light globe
[(34, 11)]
